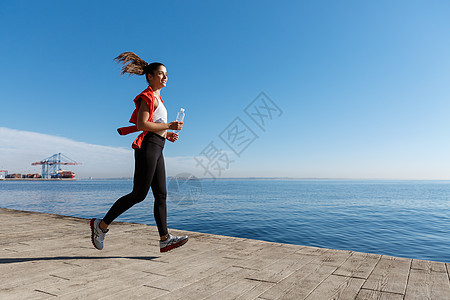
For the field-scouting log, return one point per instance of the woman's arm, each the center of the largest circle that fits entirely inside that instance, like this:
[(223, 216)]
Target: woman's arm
[(143, 124)]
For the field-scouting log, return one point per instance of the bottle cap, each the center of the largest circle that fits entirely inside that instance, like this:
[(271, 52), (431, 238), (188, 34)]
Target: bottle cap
[(182, 109)]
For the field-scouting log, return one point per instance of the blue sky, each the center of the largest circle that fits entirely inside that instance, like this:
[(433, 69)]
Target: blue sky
[(363, 87)]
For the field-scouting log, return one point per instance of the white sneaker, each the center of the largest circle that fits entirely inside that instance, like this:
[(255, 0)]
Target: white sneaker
[(172, 242), (97, 234)]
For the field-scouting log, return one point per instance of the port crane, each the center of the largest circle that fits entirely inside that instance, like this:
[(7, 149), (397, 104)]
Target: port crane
[(52, 165)]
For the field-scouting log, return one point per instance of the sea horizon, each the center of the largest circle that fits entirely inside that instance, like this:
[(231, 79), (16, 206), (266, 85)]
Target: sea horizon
[(276, 178)]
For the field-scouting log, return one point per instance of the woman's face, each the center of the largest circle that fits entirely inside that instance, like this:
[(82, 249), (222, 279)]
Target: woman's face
[(158, 79)]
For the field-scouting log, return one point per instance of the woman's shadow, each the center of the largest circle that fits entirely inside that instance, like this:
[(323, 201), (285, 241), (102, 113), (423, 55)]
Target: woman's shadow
[(28, 259)]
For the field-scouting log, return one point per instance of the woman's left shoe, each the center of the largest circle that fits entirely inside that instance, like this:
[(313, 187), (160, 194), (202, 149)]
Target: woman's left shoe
[(172, 242)]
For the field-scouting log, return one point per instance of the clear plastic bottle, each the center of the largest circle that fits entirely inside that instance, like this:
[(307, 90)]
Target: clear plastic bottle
[(180, 118)]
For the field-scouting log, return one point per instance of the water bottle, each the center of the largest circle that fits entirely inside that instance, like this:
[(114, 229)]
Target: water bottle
[(180, 118)]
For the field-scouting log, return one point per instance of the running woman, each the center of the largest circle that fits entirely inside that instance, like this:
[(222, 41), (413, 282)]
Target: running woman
[(150, 117)]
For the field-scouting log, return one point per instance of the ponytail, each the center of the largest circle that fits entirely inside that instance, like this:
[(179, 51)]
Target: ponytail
[(134, 65)]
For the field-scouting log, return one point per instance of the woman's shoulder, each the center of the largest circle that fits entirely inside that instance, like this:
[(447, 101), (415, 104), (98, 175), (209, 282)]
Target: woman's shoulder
[(146, 95)]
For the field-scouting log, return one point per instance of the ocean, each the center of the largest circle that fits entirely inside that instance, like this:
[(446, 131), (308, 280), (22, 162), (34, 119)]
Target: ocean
[(399, 218)]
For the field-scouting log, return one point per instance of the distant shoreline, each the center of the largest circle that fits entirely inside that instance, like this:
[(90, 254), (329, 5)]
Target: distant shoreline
[(225, 179), (275, 178), (37, 179)]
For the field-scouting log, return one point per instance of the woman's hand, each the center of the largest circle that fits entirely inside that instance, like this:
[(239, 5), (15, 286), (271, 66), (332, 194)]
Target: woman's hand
[(171, 136), (175, 125)]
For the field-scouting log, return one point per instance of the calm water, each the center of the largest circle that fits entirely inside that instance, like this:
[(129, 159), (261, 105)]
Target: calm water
[(399, 218)]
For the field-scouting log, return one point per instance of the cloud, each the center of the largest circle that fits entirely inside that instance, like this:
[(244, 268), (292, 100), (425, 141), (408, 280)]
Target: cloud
[(18, 149)]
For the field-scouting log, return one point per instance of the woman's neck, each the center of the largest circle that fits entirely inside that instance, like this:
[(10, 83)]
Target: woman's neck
[(156, 92)]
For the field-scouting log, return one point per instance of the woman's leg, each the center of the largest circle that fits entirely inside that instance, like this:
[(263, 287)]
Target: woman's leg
[(160, 193), (167, 241), (146, 160)]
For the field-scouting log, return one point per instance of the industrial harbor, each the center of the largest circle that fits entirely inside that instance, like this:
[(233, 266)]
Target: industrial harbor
[(51, 170)]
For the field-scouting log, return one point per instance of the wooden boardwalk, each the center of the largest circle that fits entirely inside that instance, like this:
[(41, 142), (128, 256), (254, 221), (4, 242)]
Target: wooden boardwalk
[(45, 256)]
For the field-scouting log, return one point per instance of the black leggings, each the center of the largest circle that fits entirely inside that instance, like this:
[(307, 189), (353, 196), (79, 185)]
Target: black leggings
[(149, 171)]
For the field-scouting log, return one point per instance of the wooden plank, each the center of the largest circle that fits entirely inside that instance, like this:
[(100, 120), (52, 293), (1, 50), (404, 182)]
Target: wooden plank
[(333, 258), (314, 251), (337, 287), (359, 265), (426, 284), (300, 284), (103, 286), (323, 262), (264, 257), (377, 295), (242, 253), (30, 274), (179, 264), (26, 294), (136, 293), (426, 265), (389, 275), (12, 274), (234, 290), (281, 269), (256, 291), (190, 275), (122, 278), (209, 285)]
